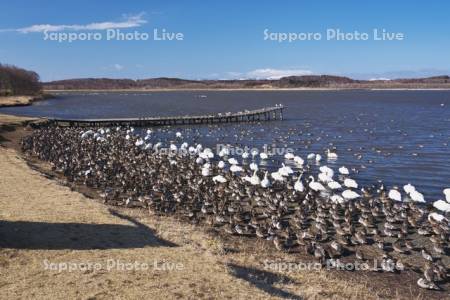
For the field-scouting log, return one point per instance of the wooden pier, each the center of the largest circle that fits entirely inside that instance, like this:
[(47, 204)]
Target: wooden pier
[(264, 114)]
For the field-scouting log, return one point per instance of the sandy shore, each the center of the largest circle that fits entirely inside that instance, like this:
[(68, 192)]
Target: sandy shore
[(45, 225), (16, 100)]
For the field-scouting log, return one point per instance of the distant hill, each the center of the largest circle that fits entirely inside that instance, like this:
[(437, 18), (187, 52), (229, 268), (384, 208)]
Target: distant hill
[(309, 81)]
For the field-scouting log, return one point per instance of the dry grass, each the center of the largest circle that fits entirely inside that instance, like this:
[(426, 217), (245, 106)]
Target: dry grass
[(16, 100)]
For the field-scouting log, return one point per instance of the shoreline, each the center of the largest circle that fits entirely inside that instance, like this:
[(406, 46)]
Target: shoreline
[(22, 100), (240, 89)]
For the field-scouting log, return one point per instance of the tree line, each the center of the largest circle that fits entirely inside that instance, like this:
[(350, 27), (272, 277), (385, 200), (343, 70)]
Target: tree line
[(18, 81)]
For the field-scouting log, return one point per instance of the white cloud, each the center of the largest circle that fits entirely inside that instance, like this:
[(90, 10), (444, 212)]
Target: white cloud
[(380, 78), (269, 73), (130, 21), (118, 67)]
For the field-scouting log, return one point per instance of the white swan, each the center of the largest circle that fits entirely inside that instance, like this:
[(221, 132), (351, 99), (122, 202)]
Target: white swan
[(254, 180), (277, 176), (328, 171), (315, 186), (236, 168), (416, 196), (337, 199), (318, 157), (221, 164), (219, 178), (324, 177), (265, 183), (285, 171), (350, 195), (331, 155), (334, 185), (299, 160), (447, 194), (408, 188), (442, 205), (350, 183), (343, 170), (311, 156), (298, 186), (395, 195), (253, 166)]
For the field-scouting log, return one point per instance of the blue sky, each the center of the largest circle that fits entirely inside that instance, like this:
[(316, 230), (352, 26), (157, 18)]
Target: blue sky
[(225, 39)]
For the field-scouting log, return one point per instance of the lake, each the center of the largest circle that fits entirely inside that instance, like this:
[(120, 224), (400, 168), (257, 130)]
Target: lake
[(394, 136)]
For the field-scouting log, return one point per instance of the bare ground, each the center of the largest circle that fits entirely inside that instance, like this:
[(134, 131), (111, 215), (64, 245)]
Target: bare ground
[(42, 222)]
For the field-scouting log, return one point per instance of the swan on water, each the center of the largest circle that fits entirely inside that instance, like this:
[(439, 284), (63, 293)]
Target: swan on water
[(334, 185), (318, 157), (221, 164), (343, 171), (408, 188), (442, 205), (331, 154), (416, 196), (350, 183), (395, 195)]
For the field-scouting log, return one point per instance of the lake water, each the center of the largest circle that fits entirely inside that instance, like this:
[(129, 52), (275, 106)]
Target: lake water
[(394, 136)]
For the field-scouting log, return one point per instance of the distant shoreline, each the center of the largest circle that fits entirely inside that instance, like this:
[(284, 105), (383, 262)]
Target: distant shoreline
[(239, 89)]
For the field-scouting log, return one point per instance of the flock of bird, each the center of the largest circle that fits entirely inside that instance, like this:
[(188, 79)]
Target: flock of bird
[(323, 212)]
